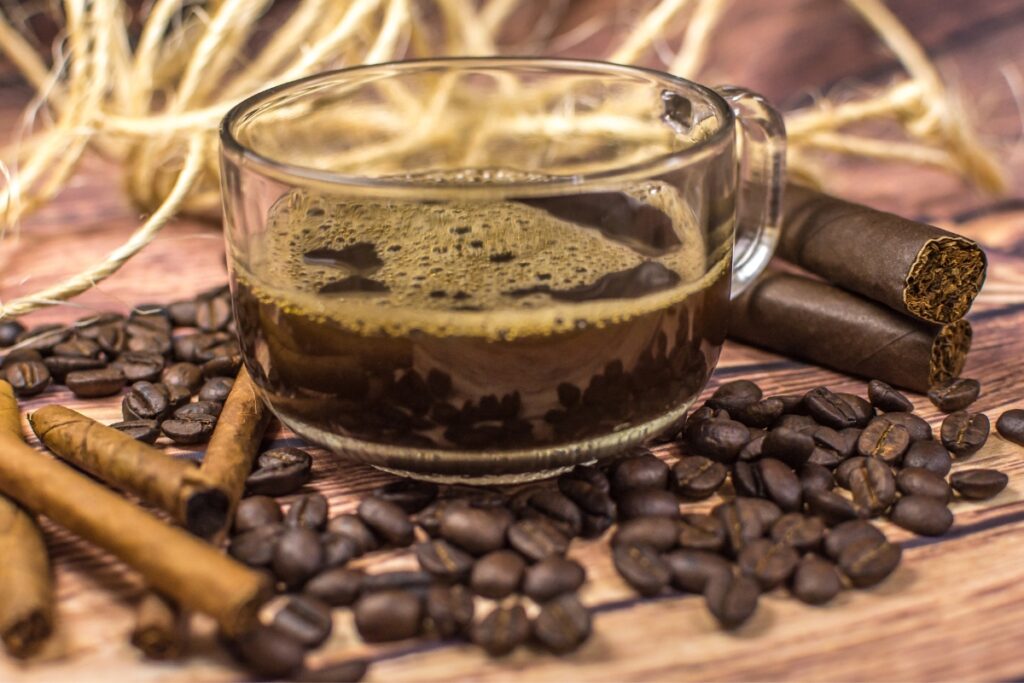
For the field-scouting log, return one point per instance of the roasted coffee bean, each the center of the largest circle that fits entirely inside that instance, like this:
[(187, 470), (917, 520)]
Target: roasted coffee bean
[(735, 395), (562, 624), (980, 484), (831, 409), (954, 394), (790, 446), (269, 653), (176, 396), (752, 450), (255, 511), (731, 599), (963, 433), (831, 507), (256, 547), (800, 531), (868, 561), (95, 383), (149, 342), (387, 520), (885, 440), (309, 511), (416, 581), (337, 586), (815, 477), (201, 347), (742, 524), (60, 366), (186, 375), (648, 503), (816, 580), (213, 313), (475, 530), (9, 331), (592, 476), (183, 313), (660, 533), (591, 499), (216, 389), (848, 533), (639, 472), (189, 410), (772, 479), (702, 414), (429, 518), (826, 457), (111, 337), (450, 610), (352, 527), (43, 338), (701, 532), (280, 471), (408, 494), (802, 423), (641, 567), (556, 508), (194, 430), (222, 366), (923, 515), (930, 455), (765, 510), (917, 427), (843, 442), (305, 619), (1010, 426), (696, 477), (917, 481), (145, 431), (761, 414), (873, 486), (139, 367), (444, 560), (720, 440), (768, 562), (537, 539), (297, 556), (863, 409), (144, 401), (690, 570), (339, 550), (78, 347), (842, 473), (552, 577), (791, 403), (155, 317), (887, 399), (27, 377), (390, 615), (502, 631), (497, 574)]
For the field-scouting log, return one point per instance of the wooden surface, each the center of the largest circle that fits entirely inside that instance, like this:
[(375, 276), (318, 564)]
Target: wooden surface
[(955, 608)]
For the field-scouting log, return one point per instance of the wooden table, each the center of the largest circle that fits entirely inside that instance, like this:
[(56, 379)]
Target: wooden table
[(954, 609)]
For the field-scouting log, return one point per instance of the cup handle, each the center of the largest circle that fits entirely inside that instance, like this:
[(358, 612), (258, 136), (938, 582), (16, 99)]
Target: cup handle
[(761, 144)]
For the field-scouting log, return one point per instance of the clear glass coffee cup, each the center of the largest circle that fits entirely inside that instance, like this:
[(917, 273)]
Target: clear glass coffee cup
[(492, 270)]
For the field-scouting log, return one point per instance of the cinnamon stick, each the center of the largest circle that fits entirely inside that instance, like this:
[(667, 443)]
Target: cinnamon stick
[(159, 631), (194, 573)]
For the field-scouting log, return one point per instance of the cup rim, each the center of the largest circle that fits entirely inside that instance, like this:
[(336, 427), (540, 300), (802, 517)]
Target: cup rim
[(655, 165)]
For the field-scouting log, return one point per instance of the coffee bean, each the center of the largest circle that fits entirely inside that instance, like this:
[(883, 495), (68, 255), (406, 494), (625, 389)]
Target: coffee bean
[(735, 395), (660, 533), (752, 450), (352, 527), (387, 520), (149, 342), (551, 577), (691, 570), (9, 331), (194, 430), (222, 366), (831, 507), (95, 383), (78, 347), (280, 471), (887, 399), (648, 503), (390, 615), (212, 314), (27, 377), (720, 440), (152, 316), (772, 479), (256, 547), (814, 477), (144, 401), (868, 561), (112, 337), (1010, 426), (177, 396), (639, 472), (873, 486), (843, 442), (765, 510), (450, 610), (60, 366), (918, 428), (476, 530), (930, 455), (201, 347), (497, 574), (702, 414), (305, 619), (557, 509), (731, 599), (923, 515), (761, 414), (641, 567), (183, 313), (741, 522), (597, 507), (954, 394), (917, 481), (444, 560), (139, 367), (415, 581), (830, 409), (269, 653), (408, 494), (696, 477), (842, 473), (190, 410), (337, 586), (701, 532), (339, 550), (768, 562), (145, 431), (43, 338), (885, 440), (297, 556), (826, 457), (979, 484), (863, 409), (537, 539), (592, 476), (216, 389), (562, 624), (963, 433), (502, 631), (802, 423), (309, 511), (186, 375), (255, 511), (790, 446), (800, 531), (848, 533), (816, 580)]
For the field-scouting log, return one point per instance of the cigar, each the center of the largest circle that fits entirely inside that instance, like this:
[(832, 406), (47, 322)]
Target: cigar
[(815, 321), (236, 439), (911, 267), (26, 601), (192, 572), (171, 484), (159, 631)]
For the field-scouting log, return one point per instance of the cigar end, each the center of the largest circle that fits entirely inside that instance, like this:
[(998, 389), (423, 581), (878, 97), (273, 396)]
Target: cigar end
[(206, 512), (24, 637), (944, 279), (949, 351)]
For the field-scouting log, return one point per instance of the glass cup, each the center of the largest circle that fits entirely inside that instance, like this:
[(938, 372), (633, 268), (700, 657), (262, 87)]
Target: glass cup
[(492, 269)]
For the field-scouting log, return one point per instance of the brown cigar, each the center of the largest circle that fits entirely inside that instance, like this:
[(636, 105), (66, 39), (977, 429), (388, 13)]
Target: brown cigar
[(159, 631), (813, 320), (911, 267), (194, 573), (171, 484)]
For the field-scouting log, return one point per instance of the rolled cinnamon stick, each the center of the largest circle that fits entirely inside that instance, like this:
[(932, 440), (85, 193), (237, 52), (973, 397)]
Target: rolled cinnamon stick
[(815, 321), (171, 484), (194, 573), (911, 267), (159, 631)]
